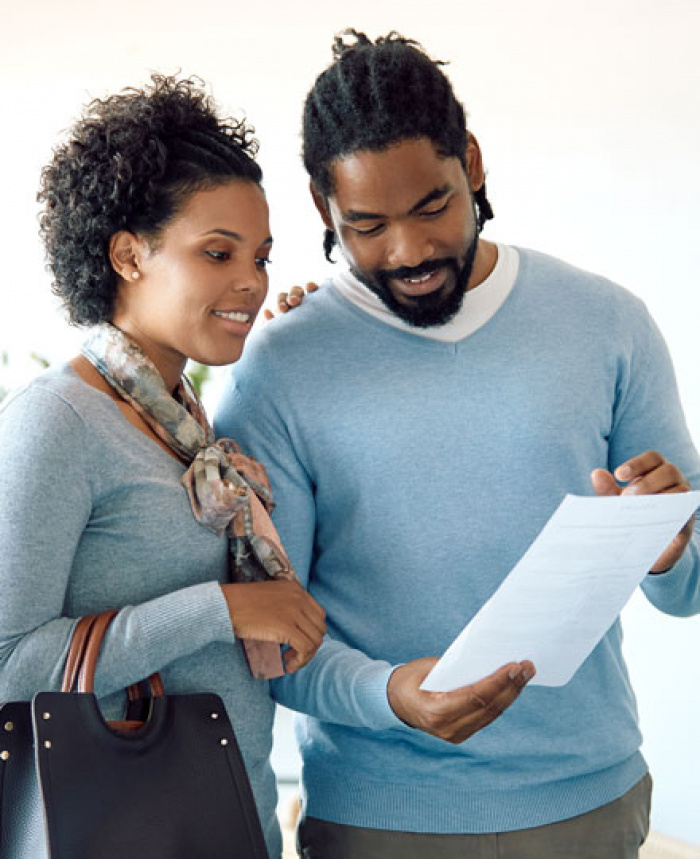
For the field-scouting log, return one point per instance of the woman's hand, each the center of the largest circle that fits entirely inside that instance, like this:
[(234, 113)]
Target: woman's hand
[(288, 300), (279, 611)]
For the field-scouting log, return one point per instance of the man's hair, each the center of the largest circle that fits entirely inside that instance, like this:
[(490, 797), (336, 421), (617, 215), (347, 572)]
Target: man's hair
[(377, 94), (131, 162)]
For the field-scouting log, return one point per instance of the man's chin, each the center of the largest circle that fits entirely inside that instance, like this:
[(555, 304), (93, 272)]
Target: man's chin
[(430, 310), (420, 311)]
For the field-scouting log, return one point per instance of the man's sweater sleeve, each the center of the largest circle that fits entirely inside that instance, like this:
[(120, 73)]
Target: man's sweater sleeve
[(648, 416), (340, 684), (45, 505)]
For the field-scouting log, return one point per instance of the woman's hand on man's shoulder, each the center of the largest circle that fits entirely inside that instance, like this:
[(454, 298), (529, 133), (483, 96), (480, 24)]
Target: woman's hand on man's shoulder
[(289, 300)]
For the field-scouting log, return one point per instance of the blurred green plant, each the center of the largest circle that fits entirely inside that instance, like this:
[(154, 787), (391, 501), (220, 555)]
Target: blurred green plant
[(5, 362), (40, 360), (199, 374)]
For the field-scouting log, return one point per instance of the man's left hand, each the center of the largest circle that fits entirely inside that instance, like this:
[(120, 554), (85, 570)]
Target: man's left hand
[(648, 474)]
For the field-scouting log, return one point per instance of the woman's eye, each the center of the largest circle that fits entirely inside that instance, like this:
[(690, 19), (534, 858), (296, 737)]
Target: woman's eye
[(262, 262), (219, 256)]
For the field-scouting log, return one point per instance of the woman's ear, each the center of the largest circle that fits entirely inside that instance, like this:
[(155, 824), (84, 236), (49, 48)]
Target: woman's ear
[(321, 206), (475, 164), (125, 255)]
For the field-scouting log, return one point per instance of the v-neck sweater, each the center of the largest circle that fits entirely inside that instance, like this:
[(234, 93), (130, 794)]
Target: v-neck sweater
[(411, 475)]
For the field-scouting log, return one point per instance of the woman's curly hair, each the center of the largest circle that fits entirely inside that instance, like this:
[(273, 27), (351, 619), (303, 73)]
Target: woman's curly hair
[(130, 163)]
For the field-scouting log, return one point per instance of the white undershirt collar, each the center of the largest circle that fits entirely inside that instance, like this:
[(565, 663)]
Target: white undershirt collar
[(479, 304)]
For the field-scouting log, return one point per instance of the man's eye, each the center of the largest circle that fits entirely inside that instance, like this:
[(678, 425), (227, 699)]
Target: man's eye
[(219, 256), (370, 232), (431, 213)]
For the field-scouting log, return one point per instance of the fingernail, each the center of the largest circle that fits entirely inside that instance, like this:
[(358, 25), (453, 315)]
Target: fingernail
[(528, 674), (623, 472), (515, 671), (632, 489)]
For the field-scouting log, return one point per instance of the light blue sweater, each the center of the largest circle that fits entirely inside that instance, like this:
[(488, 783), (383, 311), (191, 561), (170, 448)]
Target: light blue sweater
[(93, 516), (411, 475)]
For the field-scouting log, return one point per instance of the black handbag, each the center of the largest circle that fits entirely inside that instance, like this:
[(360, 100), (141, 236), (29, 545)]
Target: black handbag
[(168, 782)]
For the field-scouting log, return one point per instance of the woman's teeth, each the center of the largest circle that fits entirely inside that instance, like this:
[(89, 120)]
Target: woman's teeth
[(234, 316)]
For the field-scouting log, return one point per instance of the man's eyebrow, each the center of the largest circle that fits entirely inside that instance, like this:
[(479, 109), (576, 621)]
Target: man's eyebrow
[(235, 236), (352, 215), (435, 194)]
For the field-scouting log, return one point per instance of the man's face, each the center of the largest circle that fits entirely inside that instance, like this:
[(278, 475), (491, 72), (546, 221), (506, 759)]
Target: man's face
[(405, 221)]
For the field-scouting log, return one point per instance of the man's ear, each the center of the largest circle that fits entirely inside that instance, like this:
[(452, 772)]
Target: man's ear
[(475, 164), (125, 254), (321, 206)]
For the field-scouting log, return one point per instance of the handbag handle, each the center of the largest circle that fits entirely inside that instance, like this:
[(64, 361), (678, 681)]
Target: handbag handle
[(83, 654), (76, 651)]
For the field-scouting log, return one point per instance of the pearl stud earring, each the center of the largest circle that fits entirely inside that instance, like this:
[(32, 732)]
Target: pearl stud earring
[(135, 275)]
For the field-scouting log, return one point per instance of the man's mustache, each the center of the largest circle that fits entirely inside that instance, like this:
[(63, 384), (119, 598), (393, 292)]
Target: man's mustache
[(427, 267)]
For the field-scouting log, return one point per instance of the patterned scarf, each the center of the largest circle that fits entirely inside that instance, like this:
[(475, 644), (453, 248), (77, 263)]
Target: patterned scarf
[(228, 492)]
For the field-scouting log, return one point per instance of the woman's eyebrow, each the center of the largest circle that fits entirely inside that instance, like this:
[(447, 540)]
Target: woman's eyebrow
[(232, 235)]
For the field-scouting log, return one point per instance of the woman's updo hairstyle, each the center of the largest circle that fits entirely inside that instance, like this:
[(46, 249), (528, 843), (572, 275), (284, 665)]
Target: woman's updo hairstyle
[(130, 163)]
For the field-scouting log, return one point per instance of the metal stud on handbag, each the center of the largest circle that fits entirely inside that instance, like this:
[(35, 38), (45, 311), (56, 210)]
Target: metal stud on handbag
[(170, 785)]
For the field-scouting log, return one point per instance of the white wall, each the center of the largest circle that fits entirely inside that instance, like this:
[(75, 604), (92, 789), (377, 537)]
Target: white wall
[(589, 118)]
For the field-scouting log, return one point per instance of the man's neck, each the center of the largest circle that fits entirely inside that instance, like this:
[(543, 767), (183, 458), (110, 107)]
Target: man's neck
[(484, 263)]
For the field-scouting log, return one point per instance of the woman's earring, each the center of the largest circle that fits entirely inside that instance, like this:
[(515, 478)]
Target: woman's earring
[(135, 275)]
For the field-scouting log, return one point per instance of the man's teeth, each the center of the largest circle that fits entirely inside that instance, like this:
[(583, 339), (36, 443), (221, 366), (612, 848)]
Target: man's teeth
[(233, 316), (421, 279)]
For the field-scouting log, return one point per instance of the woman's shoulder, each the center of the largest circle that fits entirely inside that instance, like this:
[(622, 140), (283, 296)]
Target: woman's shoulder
[(56, 390), (55, 403)]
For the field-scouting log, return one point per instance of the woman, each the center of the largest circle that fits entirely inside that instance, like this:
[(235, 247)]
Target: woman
[(156, 231)]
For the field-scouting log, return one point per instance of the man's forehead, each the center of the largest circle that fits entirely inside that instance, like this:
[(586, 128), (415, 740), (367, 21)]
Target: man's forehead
[(397, 177)]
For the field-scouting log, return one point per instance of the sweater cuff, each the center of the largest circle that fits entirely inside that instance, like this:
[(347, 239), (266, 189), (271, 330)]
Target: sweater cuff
[(194, 616), (373, 697), (671, 591)]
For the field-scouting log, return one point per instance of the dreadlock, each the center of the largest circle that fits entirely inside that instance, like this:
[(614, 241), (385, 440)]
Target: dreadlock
[(374, 95)]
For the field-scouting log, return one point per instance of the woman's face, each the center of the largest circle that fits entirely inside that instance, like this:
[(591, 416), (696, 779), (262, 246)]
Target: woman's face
[(201, 284)]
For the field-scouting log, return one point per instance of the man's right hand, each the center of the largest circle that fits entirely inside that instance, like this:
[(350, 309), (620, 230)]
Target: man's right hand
[(454, 716)]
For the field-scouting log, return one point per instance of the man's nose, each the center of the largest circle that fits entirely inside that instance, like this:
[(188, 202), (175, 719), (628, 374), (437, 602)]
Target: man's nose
[(409, 246)]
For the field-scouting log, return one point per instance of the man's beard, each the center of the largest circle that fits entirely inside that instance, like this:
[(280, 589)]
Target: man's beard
[(435, 308)]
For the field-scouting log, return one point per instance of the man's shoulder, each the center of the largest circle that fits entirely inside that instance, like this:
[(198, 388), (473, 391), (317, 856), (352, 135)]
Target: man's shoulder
[(547, 268), (321, 319), (567, 284)]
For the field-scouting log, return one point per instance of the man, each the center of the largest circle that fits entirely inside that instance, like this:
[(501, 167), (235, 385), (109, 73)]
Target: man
[(421, 417)]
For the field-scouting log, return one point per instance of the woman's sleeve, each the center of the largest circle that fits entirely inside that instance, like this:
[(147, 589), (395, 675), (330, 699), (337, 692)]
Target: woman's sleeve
[(45, 505)]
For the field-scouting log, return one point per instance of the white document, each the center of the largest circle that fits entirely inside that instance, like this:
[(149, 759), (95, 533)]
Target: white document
[(567, 590)]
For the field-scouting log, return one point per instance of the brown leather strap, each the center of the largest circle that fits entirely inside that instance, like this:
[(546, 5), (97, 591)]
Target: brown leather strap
[(76, 651), (95, 634), (86, 677), (136, 690), (126, 725), (156, 685)]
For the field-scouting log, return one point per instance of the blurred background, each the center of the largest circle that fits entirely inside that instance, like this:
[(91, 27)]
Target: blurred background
[(588, 115)]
